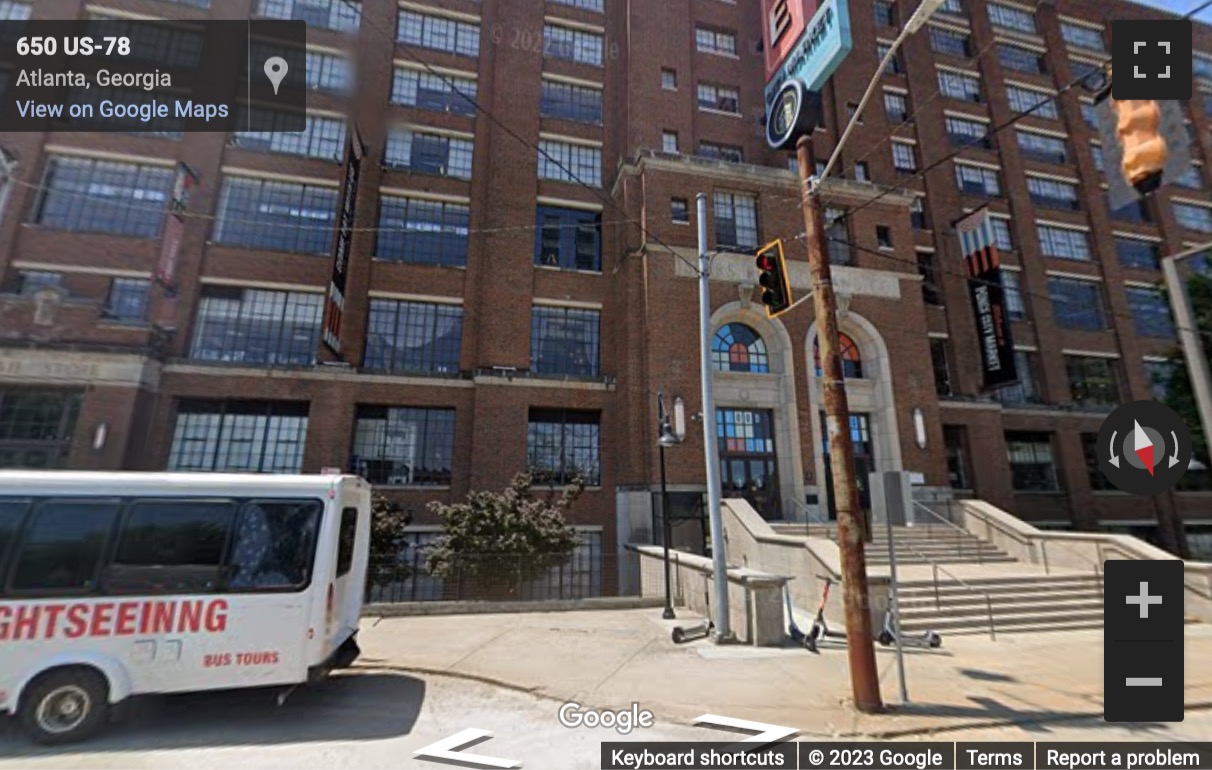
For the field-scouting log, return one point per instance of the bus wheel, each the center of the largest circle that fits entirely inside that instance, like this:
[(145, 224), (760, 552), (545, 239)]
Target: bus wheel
[(65, 705)]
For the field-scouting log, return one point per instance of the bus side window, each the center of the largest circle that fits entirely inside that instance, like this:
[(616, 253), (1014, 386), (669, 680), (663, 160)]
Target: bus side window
[(12, 513), (275, 545), (170, 546), (346, 539), (63, 546)]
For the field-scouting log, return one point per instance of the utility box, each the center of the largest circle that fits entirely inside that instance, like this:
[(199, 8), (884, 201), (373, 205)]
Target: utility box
[(891, 498)]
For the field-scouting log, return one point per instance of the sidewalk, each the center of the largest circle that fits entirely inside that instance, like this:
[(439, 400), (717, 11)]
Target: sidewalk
[(613, 658)]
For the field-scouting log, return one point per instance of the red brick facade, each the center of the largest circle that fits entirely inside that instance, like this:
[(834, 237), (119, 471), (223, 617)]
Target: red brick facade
[(647, 299)]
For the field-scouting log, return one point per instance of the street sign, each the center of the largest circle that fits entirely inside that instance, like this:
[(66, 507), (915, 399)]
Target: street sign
[(1120, 192), (816, 54), (983, 266), (794, 113)]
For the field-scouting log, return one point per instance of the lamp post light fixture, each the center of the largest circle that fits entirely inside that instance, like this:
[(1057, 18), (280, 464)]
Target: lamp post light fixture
[(670, 435)]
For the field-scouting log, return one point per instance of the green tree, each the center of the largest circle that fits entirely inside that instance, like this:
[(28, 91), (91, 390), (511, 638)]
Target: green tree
[(388, 524), (498, 541)]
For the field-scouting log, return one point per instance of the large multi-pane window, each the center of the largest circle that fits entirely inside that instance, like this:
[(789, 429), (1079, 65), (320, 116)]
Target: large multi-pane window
[(329, 72), (885, 13), (939, 362), (1077, 304), (1041, 104), (167, 46), (322, 137), (1138, 254), (572, 45), (570, 239), (1002, 237), (29, 283), (337, 15), (893, 67), (968, 133), (1082, 36), (98, 196), (977, 180), (1136, 211), (1012, 293), (950, 42), (725, 152), (439, 93), (1026, 390), (904, 157), (36, 426), (1053, 193), (438, 33), (1098, 480), (11, 10), (1201, 66), (413, 337), (1014, 19), (567, 162), (127, 300), (1159, 374), (565, 341), (429, 152), (249, 436), (1099, 157), (406, 446), (568, 101), (896, 105), (959, 86), (717, 41), (738, 348), (425, 231), (1150, 311), (735, 221), (1093, 382), (257, 326), (722, 98), (838, 237), (1193, 217), (1021, 59), (1032, 467), (1049, 149), (563, 445), (276, 216), (1063, 243)]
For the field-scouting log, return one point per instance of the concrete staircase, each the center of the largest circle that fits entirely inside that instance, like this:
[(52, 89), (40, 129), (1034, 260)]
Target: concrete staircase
[(1020, 604), (921, 544), (974, 579)]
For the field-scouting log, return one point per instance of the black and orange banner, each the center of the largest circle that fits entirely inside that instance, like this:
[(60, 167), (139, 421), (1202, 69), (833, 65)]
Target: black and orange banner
[(983, 266)]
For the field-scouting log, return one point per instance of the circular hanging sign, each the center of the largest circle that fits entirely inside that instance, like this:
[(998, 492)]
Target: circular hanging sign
[(790, 116)]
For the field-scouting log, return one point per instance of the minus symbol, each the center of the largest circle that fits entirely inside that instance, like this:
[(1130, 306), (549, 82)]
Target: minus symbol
[(1144, 681)]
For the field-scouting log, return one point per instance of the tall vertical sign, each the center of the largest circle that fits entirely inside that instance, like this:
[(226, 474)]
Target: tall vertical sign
[(174, 227), (334, 307), (983, 266)]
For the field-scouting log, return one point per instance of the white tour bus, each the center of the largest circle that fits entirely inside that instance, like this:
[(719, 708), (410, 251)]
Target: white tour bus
[(120, 584)]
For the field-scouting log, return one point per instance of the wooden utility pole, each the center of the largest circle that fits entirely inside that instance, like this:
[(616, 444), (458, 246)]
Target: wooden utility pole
[(864, 677)]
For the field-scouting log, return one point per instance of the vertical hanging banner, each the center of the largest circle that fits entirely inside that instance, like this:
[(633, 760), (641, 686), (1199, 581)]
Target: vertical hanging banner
[(983, 266), (334, 307), (174, 226)]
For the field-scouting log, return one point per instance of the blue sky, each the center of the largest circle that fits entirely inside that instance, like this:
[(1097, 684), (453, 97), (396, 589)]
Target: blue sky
[(1181, 7)]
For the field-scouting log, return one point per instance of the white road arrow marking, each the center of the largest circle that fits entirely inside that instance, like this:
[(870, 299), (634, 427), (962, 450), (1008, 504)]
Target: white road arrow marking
[(767, 734), (448, 749)]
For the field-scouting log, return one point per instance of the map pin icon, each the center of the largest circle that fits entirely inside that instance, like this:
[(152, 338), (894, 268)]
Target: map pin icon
[(275, 70)]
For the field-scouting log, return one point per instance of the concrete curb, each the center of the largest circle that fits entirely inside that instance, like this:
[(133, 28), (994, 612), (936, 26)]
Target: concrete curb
[(412, 609), (974, 724)]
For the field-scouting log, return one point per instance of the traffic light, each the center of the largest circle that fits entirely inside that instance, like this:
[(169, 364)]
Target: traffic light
[(1138, 126), (772, 276)]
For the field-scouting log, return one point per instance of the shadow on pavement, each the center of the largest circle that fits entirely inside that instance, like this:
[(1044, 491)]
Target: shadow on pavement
[(986, 676), (342, 708), (1025, 719)]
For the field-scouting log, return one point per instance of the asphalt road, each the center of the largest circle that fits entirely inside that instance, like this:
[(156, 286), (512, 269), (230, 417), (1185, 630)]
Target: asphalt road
[(377, 720)]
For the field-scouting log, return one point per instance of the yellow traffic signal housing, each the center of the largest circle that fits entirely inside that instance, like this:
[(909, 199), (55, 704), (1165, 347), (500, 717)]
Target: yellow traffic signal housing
[(772, 277), (1138, 126)]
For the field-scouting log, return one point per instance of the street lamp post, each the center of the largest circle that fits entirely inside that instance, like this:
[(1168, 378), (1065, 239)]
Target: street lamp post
[(668, 437)]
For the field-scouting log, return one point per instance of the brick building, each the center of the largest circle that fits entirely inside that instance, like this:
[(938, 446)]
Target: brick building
[(508, 307)]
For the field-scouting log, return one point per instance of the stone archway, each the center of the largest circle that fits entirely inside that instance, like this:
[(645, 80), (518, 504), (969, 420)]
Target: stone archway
[(774, 392), (872, 395)]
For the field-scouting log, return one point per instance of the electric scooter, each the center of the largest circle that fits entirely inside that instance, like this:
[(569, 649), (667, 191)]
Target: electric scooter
[(820, 629), (928, 638)]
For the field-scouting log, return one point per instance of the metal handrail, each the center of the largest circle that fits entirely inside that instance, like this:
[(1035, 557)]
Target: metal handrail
[(808, 519), (961, 533), (1042, 544), (938, 604)]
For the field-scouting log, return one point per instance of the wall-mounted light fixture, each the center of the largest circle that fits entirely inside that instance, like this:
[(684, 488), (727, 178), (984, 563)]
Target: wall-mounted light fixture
[(919, 427), (679, 418)]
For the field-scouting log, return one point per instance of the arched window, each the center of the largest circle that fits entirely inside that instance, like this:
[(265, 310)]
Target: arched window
[(852, 360), (737, 348)]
